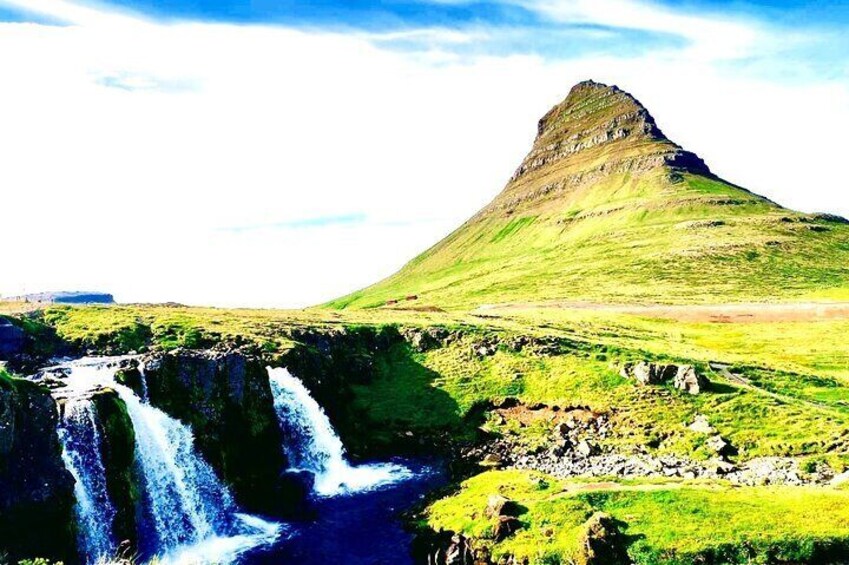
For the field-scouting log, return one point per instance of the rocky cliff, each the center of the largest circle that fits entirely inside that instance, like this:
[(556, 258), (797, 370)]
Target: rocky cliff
[(36, 498)]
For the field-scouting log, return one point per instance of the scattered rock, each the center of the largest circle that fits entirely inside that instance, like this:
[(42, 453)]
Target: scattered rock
[(684, 377), (585, 448), (701, 425), (719, 445), (492, 460)]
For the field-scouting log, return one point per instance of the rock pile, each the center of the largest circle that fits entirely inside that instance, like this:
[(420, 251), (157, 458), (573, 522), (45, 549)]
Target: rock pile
[(577, 449)]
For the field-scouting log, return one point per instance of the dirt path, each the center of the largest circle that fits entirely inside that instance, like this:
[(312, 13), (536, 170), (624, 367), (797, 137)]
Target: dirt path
[(723, 369), (736, 312)]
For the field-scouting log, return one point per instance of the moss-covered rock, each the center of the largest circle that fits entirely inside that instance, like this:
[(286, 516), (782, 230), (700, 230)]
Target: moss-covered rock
[(226, 398), (131, 377), (117, 449), (36, 491)]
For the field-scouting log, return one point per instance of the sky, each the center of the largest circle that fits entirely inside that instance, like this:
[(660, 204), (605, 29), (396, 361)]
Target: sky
[(282, 153)]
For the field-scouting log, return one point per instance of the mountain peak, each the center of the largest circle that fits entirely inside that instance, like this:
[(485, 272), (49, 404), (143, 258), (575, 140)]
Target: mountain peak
[(600, 122), (593, 105)]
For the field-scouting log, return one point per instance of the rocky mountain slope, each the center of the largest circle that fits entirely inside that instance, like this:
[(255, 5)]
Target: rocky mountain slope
[(605, 207)]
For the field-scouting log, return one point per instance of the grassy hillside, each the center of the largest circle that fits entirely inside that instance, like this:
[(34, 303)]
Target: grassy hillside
[(605, 208)]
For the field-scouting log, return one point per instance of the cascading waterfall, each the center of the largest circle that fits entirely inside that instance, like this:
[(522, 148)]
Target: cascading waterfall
[(184, 499), (314, 446), (189, 515), (81, 446)]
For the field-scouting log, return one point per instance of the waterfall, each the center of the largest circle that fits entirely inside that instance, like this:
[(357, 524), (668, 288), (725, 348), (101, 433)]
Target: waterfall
[(81, 445), (185, 500), (187, 514), (312, 444)]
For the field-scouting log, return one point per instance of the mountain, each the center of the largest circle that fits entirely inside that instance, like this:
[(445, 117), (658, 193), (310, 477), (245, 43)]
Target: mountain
[(65, 297), (606, 208)]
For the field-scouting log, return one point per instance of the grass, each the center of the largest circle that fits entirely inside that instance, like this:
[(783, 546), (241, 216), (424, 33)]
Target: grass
[(628, 239), (664, 521), (441, 388), (814, 347)]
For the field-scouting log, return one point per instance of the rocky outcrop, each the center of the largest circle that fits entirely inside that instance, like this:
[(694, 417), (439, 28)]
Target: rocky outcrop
[(226, 398), (118, 444), (36, 491), (683, 377)]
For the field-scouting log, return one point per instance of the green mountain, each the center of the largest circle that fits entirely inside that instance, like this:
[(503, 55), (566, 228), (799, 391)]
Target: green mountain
[(606, 208)]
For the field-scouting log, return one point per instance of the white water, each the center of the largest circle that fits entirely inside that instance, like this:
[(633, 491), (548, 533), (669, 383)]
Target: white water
[(312, 444), (81, 445), (191, 517)]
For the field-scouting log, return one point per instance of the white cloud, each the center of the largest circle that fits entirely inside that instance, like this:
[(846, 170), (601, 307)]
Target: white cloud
[(709, 37), (129, 146)]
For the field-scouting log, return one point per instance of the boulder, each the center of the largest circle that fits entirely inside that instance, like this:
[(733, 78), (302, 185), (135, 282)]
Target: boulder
[(117, 449), (602, 543), (646, 373), (458, 552), (722, 467), (688, 380), (498, 506), (492, 460)]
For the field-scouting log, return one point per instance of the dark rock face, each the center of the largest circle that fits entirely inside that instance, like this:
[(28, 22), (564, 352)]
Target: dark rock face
[(11, 339), (226, 398), (36, 491), (118, 452)]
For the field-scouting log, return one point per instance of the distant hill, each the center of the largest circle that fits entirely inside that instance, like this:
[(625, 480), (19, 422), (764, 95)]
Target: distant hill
[(606, 208), (64, 297)]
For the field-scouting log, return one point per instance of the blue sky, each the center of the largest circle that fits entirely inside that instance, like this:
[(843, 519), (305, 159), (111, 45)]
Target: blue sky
[(314, 147), (382, 14)]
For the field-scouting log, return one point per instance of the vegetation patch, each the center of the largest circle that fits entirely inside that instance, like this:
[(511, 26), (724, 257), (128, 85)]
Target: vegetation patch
[(663, 521)]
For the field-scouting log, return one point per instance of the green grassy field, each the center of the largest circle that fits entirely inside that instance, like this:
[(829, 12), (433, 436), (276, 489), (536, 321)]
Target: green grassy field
[(664, 521), (797, 402)]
